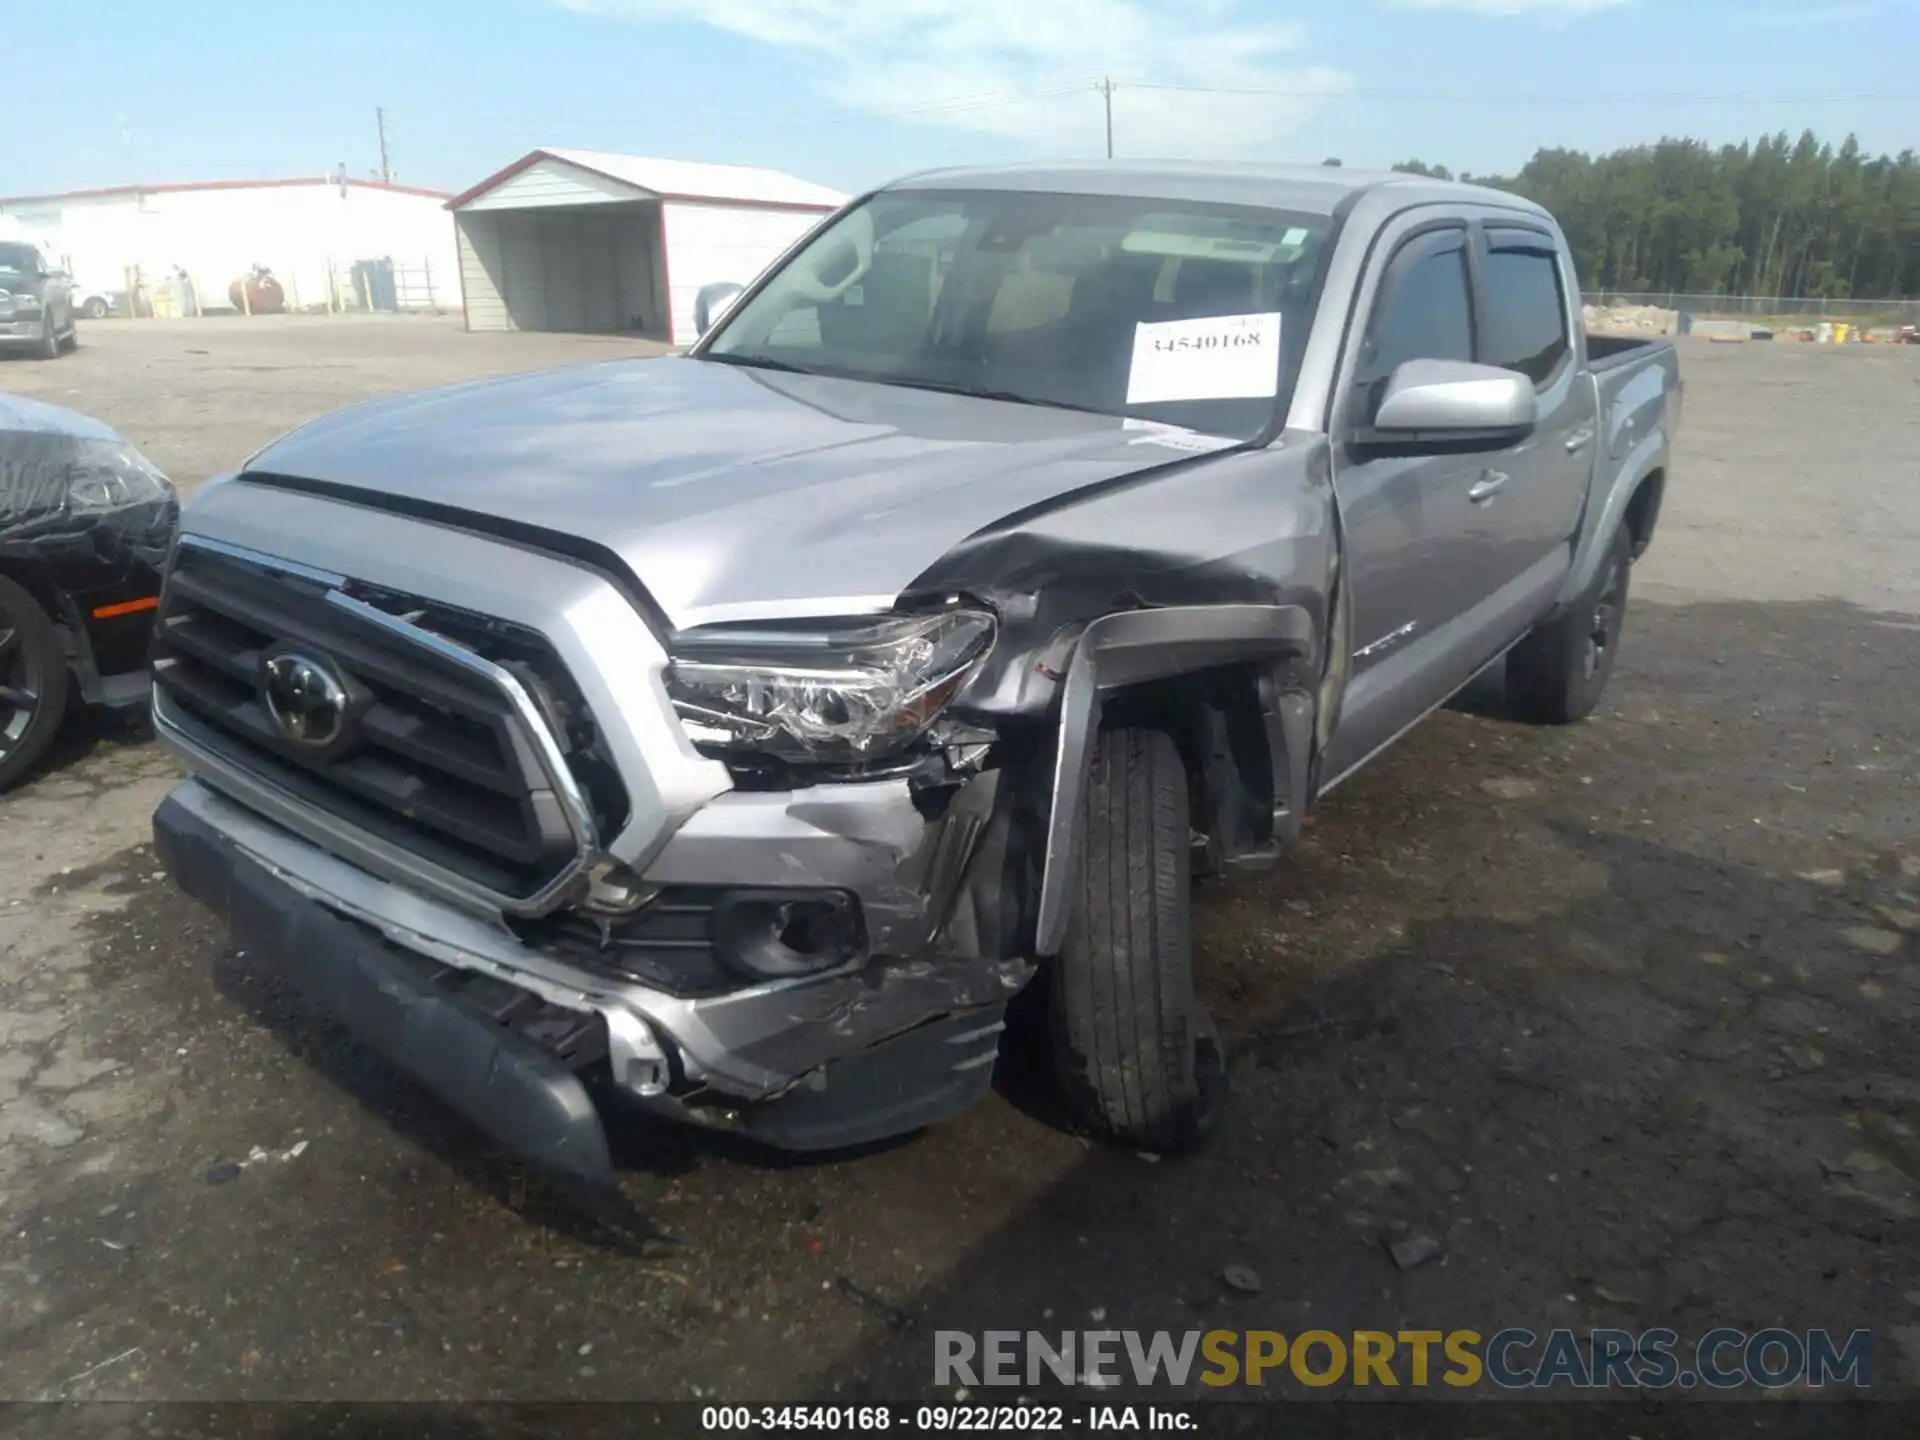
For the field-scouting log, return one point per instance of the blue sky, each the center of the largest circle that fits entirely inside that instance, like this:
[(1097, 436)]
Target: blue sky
[(848, 92)]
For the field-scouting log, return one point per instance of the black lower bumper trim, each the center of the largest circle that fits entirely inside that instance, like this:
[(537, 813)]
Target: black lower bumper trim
[(931, 1073), (521, 1095)]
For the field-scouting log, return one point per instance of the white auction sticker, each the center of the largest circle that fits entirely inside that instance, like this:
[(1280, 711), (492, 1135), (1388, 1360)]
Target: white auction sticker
[(1224, 357)]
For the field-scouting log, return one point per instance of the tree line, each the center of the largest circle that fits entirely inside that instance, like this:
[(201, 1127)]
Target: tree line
[(1773, 217)]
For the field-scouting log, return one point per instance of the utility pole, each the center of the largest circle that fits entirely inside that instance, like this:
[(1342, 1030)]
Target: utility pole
[(1105, 88), (380, 120)]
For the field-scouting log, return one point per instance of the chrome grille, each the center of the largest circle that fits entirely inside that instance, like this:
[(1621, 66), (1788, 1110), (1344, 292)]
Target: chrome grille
[(449, 758)]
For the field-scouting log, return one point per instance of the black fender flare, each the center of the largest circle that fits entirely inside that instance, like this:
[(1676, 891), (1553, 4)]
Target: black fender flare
[(1131, 647)]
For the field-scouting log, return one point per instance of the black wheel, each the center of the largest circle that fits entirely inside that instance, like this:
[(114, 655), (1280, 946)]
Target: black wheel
[(96, 308), (49, 347), (33, 682), (1557, 674), (1136, 1053)]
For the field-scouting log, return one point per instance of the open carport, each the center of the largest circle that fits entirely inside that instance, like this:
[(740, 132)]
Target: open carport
[(585, 240)]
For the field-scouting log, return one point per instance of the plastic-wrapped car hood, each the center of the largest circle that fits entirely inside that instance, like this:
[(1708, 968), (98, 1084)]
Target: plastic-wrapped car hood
[(17, 413), (42, 450), (729, 492)]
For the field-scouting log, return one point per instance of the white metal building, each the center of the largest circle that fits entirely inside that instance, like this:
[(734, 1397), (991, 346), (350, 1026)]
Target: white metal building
[(591, 241), (310, 232)]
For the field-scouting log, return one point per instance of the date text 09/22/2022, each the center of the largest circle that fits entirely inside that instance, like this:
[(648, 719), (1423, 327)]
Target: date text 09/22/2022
[(1020, 1417)]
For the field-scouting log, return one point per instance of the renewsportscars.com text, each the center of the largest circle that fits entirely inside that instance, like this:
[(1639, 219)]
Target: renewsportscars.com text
[(1509, 1359)]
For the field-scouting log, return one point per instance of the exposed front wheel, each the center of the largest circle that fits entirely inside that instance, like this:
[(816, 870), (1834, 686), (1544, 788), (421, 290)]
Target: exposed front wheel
[(1134, 1050), (33, 682), (1558, 673), (49, 347)]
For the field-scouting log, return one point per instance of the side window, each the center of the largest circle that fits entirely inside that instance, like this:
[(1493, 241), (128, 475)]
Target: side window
[(1524, 324), (1422, 312)]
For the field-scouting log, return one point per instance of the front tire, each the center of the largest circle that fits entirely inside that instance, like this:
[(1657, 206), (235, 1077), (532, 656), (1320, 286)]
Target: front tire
[(33, 682), (49, 347), (1557, 674), (1135, 1052)]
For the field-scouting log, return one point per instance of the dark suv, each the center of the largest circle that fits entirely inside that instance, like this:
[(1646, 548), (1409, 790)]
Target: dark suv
[(85, 521), (36, 303)]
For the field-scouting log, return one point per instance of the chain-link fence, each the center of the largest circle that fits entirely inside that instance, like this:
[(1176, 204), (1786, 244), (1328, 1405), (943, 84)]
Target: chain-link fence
[(1763, 309)]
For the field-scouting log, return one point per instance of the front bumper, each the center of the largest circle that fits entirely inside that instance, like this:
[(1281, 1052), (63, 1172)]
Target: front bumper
[(518, 1091), (21, 330), (885, 1042), (812, 1063)]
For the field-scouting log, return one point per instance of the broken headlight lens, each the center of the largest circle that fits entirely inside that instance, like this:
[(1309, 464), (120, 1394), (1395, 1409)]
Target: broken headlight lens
[(835, 691)]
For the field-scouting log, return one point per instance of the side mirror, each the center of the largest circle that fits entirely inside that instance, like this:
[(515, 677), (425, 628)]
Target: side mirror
[(1455, 400), (711, 302)]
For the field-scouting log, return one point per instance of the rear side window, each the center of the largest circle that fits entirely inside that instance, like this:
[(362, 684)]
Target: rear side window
[(1423, 312), (1524, 324)]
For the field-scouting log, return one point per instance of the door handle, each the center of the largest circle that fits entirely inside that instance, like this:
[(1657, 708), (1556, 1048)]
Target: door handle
[(1490, 484), (1579, 441)]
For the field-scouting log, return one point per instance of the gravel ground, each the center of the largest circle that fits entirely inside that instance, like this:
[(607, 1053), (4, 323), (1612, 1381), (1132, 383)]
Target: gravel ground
[(1621, 1016)]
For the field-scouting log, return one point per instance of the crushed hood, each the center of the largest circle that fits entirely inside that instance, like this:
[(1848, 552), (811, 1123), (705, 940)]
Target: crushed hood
[(731, 493)]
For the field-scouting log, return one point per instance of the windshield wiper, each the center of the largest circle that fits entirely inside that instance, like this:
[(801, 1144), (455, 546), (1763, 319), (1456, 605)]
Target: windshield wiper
[(762, 362), (757, 362), (1008, 396)]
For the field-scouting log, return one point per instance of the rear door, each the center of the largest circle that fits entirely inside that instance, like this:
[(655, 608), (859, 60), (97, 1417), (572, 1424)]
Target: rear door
[(1527, 324), (1418, 546)]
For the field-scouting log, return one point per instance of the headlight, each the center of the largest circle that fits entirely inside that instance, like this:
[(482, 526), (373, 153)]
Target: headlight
[(112, 475), (832, 691)]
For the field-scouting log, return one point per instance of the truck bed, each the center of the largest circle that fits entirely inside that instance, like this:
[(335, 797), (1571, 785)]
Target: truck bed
[(1604, 352)]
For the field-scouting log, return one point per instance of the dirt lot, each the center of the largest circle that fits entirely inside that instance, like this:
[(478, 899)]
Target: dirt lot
[(1621, 1016)]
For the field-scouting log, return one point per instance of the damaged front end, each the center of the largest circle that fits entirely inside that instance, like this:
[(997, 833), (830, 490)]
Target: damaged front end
[(661, 1005), (818, 954), (845, 926)]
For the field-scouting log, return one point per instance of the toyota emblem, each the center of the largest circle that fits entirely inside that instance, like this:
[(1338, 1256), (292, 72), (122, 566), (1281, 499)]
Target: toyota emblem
[(308, 703)]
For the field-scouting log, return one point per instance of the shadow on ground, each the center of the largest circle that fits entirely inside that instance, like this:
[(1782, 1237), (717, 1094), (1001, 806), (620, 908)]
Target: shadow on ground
[(87, 731)]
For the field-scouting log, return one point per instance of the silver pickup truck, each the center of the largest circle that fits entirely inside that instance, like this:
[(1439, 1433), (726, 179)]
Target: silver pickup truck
[(734, 734)]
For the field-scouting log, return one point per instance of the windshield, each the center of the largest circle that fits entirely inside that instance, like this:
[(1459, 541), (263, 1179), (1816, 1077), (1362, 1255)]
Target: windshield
[(1182, 313), (22, 259)]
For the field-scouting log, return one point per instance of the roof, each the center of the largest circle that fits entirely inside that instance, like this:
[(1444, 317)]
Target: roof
[(678, 180), (1310, 189), (181, 186)]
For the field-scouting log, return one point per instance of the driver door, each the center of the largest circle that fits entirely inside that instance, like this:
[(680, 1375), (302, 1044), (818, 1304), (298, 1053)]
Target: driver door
[(1422, 543)]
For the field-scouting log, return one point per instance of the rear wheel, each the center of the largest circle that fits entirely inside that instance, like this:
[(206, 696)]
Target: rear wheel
[(1558, 673), (96, 308), (1136, 1053), (33, 682)]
